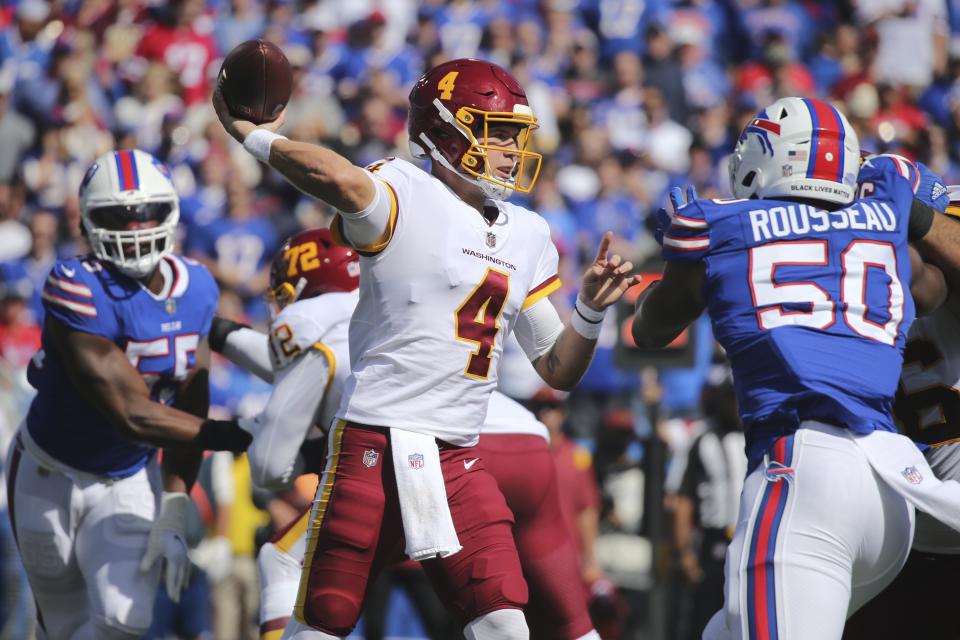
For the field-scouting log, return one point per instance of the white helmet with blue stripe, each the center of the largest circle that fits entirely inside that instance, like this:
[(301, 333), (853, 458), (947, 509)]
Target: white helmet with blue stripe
[(797, 148), (129, 211)]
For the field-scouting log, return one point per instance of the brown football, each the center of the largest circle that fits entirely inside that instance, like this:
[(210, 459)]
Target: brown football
[(256, 80)]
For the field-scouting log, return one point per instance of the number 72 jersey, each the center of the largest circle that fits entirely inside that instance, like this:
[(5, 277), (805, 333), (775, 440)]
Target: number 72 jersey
[(812, 306), (438, 296)]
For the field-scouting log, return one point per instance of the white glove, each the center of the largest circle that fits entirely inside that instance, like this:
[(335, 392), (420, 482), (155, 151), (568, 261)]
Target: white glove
[(215, 556), (167, 540)]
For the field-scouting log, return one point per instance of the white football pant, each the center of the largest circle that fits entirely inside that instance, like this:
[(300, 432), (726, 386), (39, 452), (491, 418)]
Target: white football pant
[(933, 536), (81, 538), (818, 535)]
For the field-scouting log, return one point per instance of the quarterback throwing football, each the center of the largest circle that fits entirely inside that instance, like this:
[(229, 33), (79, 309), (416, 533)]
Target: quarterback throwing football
[(448, 269)]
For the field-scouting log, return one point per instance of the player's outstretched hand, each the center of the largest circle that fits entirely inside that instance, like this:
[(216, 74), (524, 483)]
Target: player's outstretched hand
[(168, 542), (223, 435), (665, 218), (236, 127), (676, 197), (607, 278)]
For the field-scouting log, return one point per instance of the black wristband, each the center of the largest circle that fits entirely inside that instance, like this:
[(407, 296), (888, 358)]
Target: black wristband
[(921, 219), (223, 435), (220, 328), (314, 454)]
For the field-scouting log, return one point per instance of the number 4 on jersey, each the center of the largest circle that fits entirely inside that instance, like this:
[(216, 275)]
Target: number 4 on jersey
[(477, 320)]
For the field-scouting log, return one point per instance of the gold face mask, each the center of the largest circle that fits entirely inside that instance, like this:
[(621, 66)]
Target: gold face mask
[(475, 161), (282, 296)]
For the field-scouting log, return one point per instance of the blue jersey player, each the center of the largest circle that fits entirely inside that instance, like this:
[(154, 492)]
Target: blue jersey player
[(122, 370), (809, 291)]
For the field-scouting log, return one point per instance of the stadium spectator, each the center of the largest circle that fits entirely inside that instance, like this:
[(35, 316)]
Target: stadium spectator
[(633, 97), (24, 277), (705, 505), (180, 39)]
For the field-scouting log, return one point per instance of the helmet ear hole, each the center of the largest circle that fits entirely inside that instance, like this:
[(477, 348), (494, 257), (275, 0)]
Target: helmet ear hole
[(783, 113), (748, 179)]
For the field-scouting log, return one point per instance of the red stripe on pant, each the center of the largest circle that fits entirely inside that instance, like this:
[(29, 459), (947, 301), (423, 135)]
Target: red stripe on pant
[(764, 540)]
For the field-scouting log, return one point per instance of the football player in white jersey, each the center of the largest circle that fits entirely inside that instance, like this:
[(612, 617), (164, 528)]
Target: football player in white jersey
[(122, 371), (313, 285), (927, 409), (313, 292), (447, 265)]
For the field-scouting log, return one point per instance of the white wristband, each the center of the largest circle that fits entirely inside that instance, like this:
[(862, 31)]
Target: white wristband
[(586, 321), (590, 315), (258, 143)]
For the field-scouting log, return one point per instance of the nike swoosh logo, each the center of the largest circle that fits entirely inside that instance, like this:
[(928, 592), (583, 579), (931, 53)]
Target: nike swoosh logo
[(469, 463), (67, 271)]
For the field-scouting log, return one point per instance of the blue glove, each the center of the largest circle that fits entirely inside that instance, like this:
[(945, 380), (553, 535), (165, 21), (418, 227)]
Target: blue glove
[(676, 197), (664, 219), (931, 189)]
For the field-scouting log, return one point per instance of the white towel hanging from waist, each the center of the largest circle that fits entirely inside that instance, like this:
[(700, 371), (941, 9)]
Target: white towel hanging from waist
[(427, 523)]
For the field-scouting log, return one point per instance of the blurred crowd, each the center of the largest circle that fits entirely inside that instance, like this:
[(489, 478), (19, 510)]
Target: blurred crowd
[(633, 97)]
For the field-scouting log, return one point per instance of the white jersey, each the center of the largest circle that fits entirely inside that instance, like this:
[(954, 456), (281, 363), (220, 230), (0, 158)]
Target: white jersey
[(438, 295), (928, 410), (508, 417), (928, 399), (320, 323)]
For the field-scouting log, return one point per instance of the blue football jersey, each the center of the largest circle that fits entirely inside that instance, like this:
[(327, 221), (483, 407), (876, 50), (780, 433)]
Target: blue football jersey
[(811, 306), (927, 186), (158, 333)]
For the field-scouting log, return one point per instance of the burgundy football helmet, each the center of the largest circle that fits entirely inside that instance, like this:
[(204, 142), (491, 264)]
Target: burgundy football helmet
[(452, 108), (308, 264)]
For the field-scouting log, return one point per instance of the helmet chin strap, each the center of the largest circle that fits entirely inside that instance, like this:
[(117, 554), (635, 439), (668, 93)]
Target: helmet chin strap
[(301, 285), (489, 189)]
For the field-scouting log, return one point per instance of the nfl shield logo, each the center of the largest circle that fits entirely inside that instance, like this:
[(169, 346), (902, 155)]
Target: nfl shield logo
[(415, 460), (912, 475), (370, 458), (170, 306), (491, 239)]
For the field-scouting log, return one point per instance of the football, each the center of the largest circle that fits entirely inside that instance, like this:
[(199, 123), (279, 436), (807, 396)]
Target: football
[(256, 80)]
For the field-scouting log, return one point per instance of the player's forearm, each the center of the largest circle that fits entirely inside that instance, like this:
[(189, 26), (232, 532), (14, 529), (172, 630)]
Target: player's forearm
[(929, 289), (650, 328), (150, 422), (668, 307), (141, 419), (322, 174), (180, 467), (249, 349), (941, 246), (285, 421), (683, 522), (567, 360)]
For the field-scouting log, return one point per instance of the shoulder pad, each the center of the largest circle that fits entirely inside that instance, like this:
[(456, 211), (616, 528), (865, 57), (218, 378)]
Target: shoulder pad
[(73, 294), (302, 325)]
